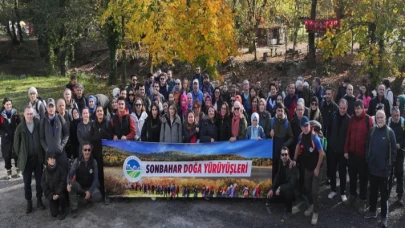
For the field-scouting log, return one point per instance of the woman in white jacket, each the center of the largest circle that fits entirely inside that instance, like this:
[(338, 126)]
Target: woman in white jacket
[(139, 116)]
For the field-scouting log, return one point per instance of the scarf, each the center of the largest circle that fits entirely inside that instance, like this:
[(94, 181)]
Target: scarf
[(235, 125), (254, 134)]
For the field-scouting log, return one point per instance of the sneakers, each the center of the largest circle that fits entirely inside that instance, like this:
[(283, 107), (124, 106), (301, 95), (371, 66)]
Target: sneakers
[(19, 173), (384, 222), (74, 213), (61, 215), (331, 195), (370, 214), (40, 205), (362, 205), (9, 174), (314, 219), (286, 215), (29, 206), (344, 198), (309, 211)]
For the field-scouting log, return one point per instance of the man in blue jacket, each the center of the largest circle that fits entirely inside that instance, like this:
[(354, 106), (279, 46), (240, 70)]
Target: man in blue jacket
[(381, 151)]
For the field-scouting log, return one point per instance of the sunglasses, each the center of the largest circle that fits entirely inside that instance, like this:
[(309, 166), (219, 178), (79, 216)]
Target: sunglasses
[(134, 80), (177, 83), (196, 107), (85, 149), (284, 154), (236, 109), (314, 103), (131, 94), (162, 79), (138, 105)]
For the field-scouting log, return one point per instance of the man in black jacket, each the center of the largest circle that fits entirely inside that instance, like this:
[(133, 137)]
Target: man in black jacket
[(340, 123), (377, 100), (397, 124), (53, 184), (284, 183), (328, 108), (83, 180)]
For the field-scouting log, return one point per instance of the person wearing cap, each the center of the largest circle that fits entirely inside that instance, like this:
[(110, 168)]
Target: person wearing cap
[(314, 113), (198, 75), (284, 184), (72, 84), (82, 180), (318, 89), (116, 93), (196, 93), (379, 99), (340, 124), (54, 134), (310, 151), (31, 155), (79, 97), (350, 98), (354, 151), (342, 90), (53, 185), (207, 87), (36, 103)]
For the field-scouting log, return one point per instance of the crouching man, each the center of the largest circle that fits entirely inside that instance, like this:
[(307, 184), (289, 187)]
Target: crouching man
[(284, 183), (82, 180), (53, 185)]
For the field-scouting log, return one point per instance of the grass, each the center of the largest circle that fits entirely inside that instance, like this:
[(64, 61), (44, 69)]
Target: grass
[(48, 87)]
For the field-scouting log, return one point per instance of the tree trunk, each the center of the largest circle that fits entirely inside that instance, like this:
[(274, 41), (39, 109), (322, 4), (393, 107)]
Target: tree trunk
[(14, 34), (311, 38), (124, 54), (113, 41), (17, 14), (372, 40)]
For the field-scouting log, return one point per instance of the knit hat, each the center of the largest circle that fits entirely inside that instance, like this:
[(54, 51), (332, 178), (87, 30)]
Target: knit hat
[(32, 90), (116, 92), (51, 155), (314, 99)]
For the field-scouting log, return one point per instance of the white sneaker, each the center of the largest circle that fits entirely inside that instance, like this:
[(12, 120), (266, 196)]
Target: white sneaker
[(314, 219), (344, 198), (309, 211), (331, 195)]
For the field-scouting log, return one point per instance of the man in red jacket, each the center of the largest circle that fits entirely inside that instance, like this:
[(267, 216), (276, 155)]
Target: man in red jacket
[(122, 125), (355, 151)]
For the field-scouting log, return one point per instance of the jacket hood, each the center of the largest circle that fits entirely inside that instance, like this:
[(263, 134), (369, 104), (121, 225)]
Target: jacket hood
[(144, 116), (401, 102), (13, 112)]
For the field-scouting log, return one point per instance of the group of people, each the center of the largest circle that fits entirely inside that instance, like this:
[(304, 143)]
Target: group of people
[(311, 132)]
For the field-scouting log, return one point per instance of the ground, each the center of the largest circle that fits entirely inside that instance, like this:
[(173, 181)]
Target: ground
[(181, 213)]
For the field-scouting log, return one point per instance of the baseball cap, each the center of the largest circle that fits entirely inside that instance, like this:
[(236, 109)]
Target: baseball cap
[(195, 81), (50, 101), (304, 121)]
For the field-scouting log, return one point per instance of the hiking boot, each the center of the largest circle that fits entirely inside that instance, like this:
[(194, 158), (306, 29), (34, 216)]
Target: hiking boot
[(344, 198), (309, 211), (286, 215), (400, 202), (9, 174), (74, 213), (40, 205), (61, 215), (19, 173), (314, 219), (370, 214), (362, 206), (331, 195), (29, 206), (384, 222)]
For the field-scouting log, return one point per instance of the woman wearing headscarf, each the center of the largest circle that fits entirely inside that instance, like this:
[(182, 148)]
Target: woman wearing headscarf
[(92, 105), (112, 109), (74, 142), (190, 101), (265, 117), (239, 98), (177, 90), (183, 108), (255, 131), (238, 124)]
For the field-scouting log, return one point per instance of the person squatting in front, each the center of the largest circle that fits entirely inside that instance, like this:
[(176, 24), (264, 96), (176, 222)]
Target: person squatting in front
[(82, 180)]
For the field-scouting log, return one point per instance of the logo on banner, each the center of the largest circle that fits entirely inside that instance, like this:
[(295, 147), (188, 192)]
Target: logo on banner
[(132, 169)]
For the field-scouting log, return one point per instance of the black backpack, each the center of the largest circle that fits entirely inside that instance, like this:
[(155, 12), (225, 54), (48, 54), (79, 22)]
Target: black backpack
[(37, 104)]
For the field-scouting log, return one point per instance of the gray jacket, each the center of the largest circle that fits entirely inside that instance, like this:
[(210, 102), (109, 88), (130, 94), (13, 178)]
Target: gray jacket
[(83, 133), (171, 133), (54, 141)]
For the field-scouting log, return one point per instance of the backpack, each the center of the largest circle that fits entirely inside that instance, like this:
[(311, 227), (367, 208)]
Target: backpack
[(387, 131), (401, 119), (394, 98), (312, 140), (285, 124), (37, 104)]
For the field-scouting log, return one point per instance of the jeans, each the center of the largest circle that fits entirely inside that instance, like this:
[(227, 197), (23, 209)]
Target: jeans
[(32, 165), (312, 188)]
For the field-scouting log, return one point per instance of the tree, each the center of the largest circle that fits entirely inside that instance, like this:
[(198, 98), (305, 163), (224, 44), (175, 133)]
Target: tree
[(10, 16)]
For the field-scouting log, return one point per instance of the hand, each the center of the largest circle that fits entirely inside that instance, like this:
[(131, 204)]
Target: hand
[(346, 156), (212, 140), (115, 138), (278, 192), (398, 146), (124, 137), (316, 172), (55, 197), (258, 138), (270, 194), (293, 164), (69, 188), (87, 197), (272, 133), (232, 139)]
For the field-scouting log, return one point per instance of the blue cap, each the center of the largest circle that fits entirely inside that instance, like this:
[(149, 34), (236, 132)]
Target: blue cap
[(304, 121)]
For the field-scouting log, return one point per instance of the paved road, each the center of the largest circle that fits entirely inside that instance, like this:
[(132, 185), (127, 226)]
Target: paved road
[(180, 213)]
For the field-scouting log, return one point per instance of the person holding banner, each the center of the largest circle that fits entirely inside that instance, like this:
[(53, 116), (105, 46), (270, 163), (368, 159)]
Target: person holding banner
[(224, 122), (255, 131), (139, 116), (151, 128), (284, 184), (171, 129), (121, 124), (190, 129), (238, 124)]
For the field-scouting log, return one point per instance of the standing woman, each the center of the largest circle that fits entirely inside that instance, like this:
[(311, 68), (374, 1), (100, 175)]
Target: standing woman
[(92, 105), (139, 116), (209, 131), (217, 99), (207, 104), (83, 129), (314, 112), (364, 96), (224, 122), (35, 103), (239, 123), (151, 128), (255, 104), (198, 114), (74, 142), (70, 103), (190, 129), (99, 131), (264, 117), (190, 101), (112, 111), (9, 120), (183, 108), (171, 129), (272, 100)]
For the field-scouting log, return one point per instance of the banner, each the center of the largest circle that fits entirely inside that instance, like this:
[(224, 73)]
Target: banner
[(241, 169)]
